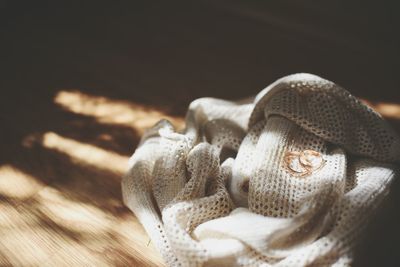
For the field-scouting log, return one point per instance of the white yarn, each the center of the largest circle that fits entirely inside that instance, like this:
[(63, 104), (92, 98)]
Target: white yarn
[(202, 205)]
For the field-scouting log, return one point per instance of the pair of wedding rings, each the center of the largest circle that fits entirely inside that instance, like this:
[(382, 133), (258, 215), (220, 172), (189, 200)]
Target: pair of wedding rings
[(303, 163)]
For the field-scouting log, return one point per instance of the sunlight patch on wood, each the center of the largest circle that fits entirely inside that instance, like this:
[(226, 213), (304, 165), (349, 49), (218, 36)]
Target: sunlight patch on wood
[(54, 229), (106, 110), (387, 110), (24, 240), (76, 216), (102, 234), (17, 184), (139, 242), (28, 241), (86, 153)]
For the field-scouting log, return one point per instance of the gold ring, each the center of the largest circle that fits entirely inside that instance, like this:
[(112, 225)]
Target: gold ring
[(303, 163)]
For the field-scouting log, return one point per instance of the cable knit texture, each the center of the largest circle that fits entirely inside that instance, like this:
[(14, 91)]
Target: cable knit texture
[(286, 179)]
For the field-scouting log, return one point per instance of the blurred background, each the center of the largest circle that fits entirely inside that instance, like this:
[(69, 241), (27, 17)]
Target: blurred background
[(81, 80)]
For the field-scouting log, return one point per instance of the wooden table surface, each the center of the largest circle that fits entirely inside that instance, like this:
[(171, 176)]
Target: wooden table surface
[(80, 81)]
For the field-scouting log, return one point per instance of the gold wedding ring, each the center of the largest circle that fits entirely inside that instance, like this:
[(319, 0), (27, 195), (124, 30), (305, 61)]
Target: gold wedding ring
[(303, 163)]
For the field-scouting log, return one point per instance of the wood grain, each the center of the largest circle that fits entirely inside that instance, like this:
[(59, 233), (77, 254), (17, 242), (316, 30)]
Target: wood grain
[(82, 80)]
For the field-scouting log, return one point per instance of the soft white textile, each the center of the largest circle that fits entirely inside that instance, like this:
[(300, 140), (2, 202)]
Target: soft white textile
[(239, 187)]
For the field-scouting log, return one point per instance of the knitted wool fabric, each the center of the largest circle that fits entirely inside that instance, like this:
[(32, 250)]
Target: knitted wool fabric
[(286, 180)]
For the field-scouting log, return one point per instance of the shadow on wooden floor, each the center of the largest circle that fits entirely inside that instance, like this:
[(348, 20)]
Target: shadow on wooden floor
[(148, 60)]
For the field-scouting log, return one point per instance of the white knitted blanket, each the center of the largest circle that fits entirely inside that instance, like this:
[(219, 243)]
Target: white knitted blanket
[(288, 179)]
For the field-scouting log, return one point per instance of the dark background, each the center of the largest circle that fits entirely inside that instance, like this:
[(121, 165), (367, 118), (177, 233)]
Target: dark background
[(164, 54)]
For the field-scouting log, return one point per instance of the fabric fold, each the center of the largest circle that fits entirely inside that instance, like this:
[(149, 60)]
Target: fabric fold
[(289, 179)]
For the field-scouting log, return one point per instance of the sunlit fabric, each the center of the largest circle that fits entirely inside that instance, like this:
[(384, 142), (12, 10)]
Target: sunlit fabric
[(310, 166)]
